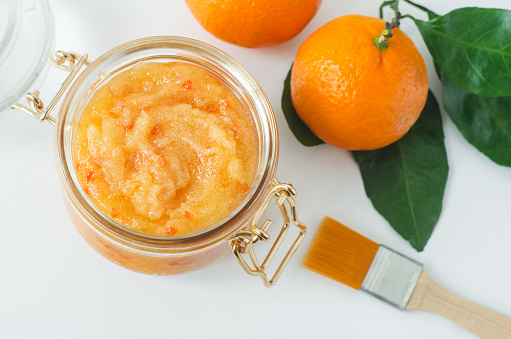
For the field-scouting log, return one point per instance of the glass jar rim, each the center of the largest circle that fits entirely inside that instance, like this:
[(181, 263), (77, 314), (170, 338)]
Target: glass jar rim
[(268, 140)]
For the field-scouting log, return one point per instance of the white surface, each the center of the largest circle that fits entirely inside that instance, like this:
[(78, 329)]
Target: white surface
[(53, 285)]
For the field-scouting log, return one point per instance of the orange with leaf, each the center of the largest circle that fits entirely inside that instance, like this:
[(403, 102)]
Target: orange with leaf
[(354, 87)]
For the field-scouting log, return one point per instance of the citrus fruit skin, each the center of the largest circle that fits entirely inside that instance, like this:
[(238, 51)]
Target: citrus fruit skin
[(353, 95), (251, 23)]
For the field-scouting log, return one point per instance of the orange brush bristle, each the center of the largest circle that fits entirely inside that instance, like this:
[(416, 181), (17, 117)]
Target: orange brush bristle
[(340, 253)]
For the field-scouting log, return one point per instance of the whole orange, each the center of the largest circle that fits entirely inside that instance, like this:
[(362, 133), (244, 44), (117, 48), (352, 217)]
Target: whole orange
[(352, 94), (252, 23)]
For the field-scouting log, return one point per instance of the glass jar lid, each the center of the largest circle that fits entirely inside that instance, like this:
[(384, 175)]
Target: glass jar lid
[(26, 41)]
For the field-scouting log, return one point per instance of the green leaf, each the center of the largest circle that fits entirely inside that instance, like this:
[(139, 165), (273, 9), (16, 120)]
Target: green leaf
[(472, 46), (484, 122), (406, 180), (296, 125)]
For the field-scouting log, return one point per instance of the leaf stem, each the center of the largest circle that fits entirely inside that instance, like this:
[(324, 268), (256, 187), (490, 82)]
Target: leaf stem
[(383, 5), (407, 16), (381, 41), (431, 14)]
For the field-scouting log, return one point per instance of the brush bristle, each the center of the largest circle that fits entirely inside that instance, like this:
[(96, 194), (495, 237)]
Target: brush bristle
[(340, 253)]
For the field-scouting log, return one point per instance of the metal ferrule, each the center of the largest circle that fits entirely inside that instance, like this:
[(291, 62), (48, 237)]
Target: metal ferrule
[(392, 277)]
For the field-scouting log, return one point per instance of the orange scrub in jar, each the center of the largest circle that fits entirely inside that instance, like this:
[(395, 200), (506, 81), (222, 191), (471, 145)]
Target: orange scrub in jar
[(165, 149)]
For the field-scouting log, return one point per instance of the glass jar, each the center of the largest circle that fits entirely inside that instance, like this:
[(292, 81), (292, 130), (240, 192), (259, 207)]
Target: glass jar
[(163, 255)]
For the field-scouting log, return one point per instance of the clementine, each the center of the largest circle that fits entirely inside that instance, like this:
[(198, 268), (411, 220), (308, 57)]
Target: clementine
[(351, 93), (254, 23)]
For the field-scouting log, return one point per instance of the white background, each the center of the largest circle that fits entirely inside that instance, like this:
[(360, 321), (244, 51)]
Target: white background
[(53, 285)]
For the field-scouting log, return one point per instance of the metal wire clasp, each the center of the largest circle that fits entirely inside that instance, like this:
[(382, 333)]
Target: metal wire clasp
[(74, 63), (243, 241)]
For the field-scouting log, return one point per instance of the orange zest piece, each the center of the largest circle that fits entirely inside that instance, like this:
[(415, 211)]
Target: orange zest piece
[(188, 215), (114, 212), (224, 103), (128, 125), (187, 84), (170, 231), (89, 176), (210, 108), (156, 130)]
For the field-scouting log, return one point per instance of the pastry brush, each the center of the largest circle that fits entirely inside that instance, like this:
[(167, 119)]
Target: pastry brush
[(350, 258)]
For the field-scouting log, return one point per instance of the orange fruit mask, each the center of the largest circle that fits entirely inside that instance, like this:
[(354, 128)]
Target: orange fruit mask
[(352, 94), (250, 23)]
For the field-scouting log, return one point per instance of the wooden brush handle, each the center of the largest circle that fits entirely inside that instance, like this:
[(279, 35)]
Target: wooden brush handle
[(430, 296)]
